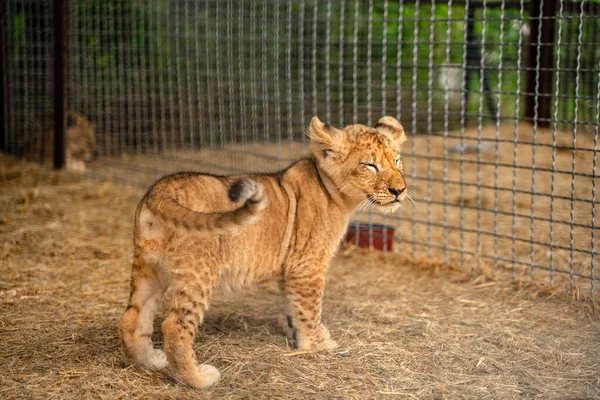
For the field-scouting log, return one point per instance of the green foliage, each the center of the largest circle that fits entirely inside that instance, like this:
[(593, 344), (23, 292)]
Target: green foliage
[(137, 42)]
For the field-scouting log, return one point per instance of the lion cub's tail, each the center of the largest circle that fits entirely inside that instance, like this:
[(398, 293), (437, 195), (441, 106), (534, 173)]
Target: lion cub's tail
[(247, 190)]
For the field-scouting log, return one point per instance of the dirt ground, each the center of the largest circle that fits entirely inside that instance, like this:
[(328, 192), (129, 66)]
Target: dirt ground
[(407, 328)]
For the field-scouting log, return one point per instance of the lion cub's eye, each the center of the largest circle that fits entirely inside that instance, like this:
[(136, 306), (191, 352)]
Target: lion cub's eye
[(372, 167), (399, 162)]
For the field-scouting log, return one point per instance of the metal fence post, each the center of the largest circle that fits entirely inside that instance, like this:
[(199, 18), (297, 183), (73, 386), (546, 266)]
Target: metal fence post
[(60, 75), (542, 18), (4, 80)]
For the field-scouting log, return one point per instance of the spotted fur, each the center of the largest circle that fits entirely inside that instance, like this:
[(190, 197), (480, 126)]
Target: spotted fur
[(196, 232)]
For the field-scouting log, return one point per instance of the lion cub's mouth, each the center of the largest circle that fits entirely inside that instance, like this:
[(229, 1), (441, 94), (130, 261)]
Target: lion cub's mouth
[(408, 194), (391, 206)]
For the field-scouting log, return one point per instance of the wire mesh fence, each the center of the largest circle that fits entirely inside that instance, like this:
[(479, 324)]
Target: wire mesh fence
[(500, 99)]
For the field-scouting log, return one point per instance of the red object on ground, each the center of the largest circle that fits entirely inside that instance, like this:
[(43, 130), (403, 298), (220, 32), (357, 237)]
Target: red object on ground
[(382, 236)]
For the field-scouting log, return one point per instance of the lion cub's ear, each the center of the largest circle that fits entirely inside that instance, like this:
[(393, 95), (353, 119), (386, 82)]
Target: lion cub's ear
[(391, 127), (325, 139)]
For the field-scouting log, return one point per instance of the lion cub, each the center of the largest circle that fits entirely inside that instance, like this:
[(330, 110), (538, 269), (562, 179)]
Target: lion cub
[(196, 232), (80, 143)]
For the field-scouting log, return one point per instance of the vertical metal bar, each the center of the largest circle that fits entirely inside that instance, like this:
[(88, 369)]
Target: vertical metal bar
[(341, 88), (301, 34), (230, 83), (24, 133), (41, 88), (541, 53), (277, 91), (399, 86), (314, 58), (146, 91), (384, 94), (573, 153), (370, 94), (516, 142), (129, 64), (242, 67), (594, 173), (328, 63), (536, 104), (482, 74), (355, 69), (179, 90), (154, 76), (496, 144), (384, 46), (60, 87), (592, 44), (430, 127), (199, 97), (415, 71), (554, 135), (219, 71), (370, 66), (161, 91), (355, 86), (5, 80), (288, 74), (136, 87), (253, 83), (208, 56), (464, 98), (264, 76), (106, 90), (446, 122), (118, 90)]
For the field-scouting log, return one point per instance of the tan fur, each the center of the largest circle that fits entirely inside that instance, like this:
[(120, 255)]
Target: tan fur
[(80, 143), (196, 232)]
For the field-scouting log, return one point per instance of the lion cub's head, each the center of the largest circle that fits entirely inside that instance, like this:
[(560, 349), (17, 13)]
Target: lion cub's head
[(365, 163), (80, 142)]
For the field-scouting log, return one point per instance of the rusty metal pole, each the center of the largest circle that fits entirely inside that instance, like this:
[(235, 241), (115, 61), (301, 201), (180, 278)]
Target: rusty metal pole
[(540, 77), (4, 79), (60, 76)]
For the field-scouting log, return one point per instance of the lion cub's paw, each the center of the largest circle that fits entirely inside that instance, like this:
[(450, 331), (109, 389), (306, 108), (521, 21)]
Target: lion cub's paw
[(327, 344), (204, 376), (158, 360), (210, 374), (323, 332), (323, 340)]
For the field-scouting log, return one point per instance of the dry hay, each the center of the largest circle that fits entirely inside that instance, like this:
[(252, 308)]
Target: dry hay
[(407, 328)]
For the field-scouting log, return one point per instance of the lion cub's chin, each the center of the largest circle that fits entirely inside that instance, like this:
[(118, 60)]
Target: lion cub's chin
[(390, 208)]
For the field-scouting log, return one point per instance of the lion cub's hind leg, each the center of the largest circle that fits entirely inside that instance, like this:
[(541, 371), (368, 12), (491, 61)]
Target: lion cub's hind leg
[(136, 325), (193, 288)]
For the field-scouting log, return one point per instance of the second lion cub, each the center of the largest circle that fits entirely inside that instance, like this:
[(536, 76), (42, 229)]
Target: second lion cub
[(195, 232)]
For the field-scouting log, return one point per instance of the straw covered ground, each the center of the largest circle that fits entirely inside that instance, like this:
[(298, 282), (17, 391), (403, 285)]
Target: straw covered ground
[(407, 328)]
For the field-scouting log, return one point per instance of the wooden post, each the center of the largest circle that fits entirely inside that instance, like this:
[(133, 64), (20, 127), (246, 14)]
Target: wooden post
[(540, 76), (60, 76), (4, 79)]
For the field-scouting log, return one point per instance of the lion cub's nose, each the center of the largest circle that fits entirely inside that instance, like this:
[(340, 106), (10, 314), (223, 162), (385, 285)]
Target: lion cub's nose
[(396, 192)]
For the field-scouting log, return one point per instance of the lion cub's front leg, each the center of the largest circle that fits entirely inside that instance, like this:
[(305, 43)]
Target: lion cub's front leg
[(302, 303)]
